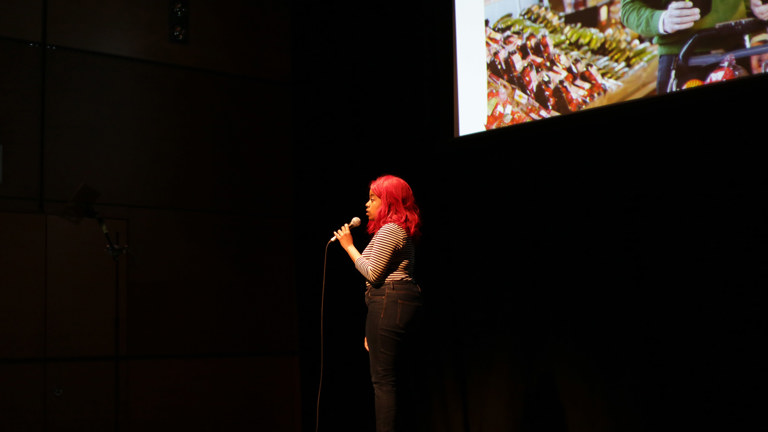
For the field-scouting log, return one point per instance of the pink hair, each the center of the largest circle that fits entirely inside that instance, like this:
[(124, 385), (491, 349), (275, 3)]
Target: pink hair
[(397, 205)]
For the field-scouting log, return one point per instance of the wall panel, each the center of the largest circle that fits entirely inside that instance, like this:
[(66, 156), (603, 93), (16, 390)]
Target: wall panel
[(84, 284), (150, 135), (22, 286), (22, 401), (202, 394), (21, 19), (237, 37), (80, 396), (20, 135), (206, 283)]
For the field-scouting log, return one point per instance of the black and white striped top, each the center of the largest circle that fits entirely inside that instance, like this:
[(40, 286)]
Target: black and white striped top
[(390, 256)]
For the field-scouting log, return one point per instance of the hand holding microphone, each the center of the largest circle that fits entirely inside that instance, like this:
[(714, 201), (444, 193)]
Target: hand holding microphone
[(344, 231)]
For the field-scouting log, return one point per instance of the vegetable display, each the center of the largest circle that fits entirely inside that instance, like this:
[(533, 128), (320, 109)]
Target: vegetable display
[(540, 66)]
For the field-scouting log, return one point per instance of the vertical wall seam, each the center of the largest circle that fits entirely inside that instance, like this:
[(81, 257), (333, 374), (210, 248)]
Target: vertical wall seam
[(41, 207), (43, 106)]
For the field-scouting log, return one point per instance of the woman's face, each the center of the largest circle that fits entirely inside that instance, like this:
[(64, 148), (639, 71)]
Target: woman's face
[(372, 206)]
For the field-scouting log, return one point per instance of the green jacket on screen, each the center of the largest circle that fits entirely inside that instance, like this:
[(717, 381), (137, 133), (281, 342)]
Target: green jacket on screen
[(642, 16)]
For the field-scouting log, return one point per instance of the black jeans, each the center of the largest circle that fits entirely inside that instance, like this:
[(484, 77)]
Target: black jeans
[(394, 311)]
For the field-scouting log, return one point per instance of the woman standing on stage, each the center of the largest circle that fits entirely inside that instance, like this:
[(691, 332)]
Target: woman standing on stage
[(392, 295)]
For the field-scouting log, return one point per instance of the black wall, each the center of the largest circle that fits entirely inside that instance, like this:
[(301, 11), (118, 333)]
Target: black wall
[(599, 271), (189, 147), (616, 280)]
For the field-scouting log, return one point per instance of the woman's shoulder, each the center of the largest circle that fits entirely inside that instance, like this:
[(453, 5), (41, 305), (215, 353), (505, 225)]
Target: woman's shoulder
[(392, 230), (392, 227)]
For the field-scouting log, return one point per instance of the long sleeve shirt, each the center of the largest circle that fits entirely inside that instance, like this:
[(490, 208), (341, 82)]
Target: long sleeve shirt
[(643, 16), (389, 256)]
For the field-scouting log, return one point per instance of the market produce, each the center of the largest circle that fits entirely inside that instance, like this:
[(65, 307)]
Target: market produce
[(727, 70), (617, 44), (546, 67), (693, 83)]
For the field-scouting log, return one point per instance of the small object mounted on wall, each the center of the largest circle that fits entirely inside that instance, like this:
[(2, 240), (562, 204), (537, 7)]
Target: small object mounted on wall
[(81, 206), (179, 21)]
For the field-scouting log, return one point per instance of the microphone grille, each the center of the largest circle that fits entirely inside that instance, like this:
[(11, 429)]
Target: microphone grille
[(354, 222)]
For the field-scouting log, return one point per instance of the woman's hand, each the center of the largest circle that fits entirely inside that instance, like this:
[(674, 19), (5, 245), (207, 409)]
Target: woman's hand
[(759, 9), (344, 237)]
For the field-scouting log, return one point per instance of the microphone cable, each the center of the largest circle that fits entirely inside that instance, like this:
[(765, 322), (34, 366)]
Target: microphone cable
[(353, 223), (322, 342)]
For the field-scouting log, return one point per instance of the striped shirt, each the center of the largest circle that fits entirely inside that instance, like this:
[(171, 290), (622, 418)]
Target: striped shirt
[(390, 256)]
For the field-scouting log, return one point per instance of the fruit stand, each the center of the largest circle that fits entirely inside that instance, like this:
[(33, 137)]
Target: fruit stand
[(640, 83), (540, 65)]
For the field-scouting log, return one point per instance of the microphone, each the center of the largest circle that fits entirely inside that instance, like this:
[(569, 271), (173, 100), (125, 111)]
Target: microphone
[(353, 223)]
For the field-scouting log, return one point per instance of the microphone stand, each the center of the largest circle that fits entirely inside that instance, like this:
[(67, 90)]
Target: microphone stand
[(114, 250), (80, 207)]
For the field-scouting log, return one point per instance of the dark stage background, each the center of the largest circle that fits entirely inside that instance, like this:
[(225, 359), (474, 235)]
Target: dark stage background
[(602, 271)]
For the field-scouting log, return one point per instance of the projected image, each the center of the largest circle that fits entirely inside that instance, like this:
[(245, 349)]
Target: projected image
[(540, 65), (545, 59)]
